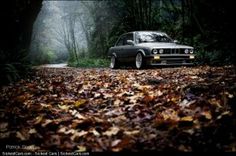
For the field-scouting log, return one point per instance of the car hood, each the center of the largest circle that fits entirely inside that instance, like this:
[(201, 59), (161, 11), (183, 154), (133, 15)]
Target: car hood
[(163, 45)]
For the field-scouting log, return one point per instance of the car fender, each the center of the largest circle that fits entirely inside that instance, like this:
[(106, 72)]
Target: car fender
[(114, 54), (141, 51)]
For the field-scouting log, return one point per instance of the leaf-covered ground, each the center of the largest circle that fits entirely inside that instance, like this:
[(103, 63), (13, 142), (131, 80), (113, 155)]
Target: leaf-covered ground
[(163, 109)]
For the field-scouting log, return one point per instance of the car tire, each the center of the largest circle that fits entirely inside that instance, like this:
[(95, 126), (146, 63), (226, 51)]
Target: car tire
[(139, 61), (114, 62)]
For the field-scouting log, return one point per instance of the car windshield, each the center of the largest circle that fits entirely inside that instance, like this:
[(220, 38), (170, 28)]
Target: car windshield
[(143, 37)]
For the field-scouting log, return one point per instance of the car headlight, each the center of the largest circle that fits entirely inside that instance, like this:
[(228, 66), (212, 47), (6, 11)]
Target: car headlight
[(186, 51), (161, 51), (191, 51), (154, 51)]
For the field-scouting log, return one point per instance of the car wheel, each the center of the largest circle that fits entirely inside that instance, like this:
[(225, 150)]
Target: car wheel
[(114, 63), (139, 61)]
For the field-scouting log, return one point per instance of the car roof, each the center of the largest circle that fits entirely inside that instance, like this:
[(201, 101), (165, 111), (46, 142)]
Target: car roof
[(160, 32), (147, 31)]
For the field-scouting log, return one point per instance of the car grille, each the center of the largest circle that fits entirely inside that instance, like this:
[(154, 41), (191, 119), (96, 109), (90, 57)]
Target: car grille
[(176, 57), (174, 51)]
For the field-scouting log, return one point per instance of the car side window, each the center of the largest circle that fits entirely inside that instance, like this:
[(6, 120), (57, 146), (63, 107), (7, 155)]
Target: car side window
[(121, 41), (128, 37)]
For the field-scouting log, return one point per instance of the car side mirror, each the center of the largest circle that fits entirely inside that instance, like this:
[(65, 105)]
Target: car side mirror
[(130, 42), (176, 41)]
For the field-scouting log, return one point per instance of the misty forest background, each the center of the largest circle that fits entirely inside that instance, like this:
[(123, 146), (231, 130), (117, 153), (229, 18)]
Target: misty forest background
[(81, 32)]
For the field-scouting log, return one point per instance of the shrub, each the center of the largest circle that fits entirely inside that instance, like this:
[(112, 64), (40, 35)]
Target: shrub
[(90, 63)]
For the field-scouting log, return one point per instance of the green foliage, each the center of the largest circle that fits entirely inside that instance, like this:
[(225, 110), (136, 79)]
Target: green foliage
[(13, 66), (93, 62), (43, 56), (190, 22), (47, 56), (82, 53), (72, 61), (90, 63), (9, 73), (215, 57)]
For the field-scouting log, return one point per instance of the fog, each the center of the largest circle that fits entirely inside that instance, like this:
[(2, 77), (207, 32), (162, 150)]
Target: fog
[(60, 30), (68, 31)]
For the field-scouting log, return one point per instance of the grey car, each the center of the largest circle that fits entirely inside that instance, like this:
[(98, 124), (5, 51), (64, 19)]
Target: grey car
[(142, 48)]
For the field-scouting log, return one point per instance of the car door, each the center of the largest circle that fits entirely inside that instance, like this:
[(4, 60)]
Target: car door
[(118, 47), (129, 51)]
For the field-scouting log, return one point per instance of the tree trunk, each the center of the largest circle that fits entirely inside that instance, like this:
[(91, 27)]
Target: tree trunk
[(183, 19)]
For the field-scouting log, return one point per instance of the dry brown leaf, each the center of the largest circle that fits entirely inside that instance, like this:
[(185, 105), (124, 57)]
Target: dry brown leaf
[(64, 107), (32, 131), (38, 120), (134, 132), (96, 133), (170, 114), (115, 142), (79, 116), (159, 93), (3, 126), (148, 99), (20, 136), (53, 140), (81, 149), (111, 131), (187, 118), (46, 122), (80, 102), (78, 134), (4, 135), (117, 102), (207, 115)]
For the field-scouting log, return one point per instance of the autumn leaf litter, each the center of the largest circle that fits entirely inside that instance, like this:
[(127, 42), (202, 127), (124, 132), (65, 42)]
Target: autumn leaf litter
[(178, 109)]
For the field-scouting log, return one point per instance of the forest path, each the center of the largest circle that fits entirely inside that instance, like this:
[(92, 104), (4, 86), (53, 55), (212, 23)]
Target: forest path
[(58, 65)]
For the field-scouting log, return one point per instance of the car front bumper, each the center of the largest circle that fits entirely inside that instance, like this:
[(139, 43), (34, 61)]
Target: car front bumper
[(171, 59)]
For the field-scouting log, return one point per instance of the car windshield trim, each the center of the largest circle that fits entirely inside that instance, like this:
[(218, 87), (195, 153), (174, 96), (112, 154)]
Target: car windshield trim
[(150, 37)]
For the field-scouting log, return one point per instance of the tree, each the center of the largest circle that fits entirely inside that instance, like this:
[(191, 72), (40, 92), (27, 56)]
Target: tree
[(18, 17)]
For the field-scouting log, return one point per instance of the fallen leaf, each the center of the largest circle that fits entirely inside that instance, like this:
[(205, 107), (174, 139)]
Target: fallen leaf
[(80, 102), (64, 107), (20, 136), (115, 142), (134, 132), (159, 93), (76, 114), (81, 149), (38, 120), (193, 77), (32, 131), (111, 131), (187, 118), (117, 102), (148, 99), (4, 135), (70, 131), (120, 144), (78, 134), (53, 140), (3, 126), (95, 132), (79, 116), (46, 122), (207, 115)]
